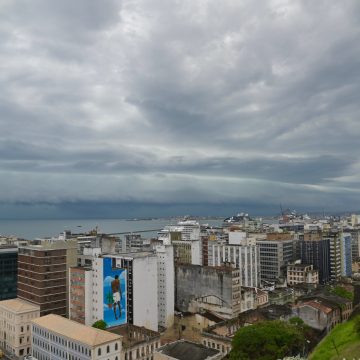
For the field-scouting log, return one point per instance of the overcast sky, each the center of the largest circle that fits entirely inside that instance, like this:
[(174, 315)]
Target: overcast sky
[(162, 107)]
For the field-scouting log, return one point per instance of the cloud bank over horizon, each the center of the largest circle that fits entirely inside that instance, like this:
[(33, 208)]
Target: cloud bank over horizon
[(166, 106)]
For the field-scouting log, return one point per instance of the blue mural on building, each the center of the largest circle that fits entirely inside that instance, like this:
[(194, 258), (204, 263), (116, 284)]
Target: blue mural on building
[(114, 294)]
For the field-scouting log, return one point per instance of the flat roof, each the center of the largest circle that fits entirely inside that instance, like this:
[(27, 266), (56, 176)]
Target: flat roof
[(18, 306), (130, 255), (75, 331), (185, 350)]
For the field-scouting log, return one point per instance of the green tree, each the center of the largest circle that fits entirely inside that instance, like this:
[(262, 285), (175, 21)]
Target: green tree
[(342, 292), (100, 324), (267, 340), (296, 321)]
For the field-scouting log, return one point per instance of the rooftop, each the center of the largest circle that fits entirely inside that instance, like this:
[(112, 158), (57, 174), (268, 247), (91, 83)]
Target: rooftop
[(185, 350), (130, 255), (75, 331), (133, 335), (18, 306), (317, 305)]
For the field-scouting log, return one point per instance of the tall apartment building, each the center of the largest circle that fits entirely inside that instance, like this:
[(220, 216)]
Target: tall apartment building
[(355, 243), (8, 272), (315, 250), (92, 295), (190, 230), (187, 252), (335, 254), (142, 287), (276, 251), (43, 274), (244, 258), (15, 326), (80, 295), (346, 255), (55, 337), (166, 284), (187, 230)]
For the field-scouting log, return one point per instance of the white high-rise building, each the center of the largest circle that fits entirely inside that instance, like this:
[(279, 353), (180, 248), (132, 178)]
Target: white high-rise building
[(166, 284), (142, 305), (139, 297), (189, 230), (245, 258)]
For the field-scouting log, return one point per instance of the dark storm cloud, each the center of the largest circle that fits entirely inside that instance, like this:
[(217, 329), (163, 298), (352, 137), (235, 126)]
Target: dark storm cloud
[(193, 101)]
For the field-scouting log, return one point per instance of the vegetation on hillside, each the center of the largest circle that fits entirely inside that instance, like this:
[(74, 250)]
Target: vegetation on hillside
[(343, 342)]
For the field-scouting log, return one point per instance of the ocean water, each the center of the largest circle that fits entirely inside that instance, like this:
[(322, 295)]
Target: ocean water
[(31, 229)]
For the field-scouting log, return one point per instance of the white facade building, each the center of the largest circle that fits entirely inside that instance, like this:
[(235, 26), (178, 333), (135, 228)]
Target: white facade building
[(244, 258), (55, 337), (142, 288), (166, 284), (190, 230)]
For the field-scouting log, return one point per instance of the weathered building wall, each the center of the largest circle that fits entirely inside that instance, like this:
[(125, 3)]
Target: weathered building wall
[(193, 281)]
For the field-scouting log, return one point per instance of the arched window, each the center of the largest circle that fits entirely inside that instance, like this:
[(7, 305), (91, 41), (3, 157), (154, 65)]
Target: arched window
[(108, 349), (116, 346)]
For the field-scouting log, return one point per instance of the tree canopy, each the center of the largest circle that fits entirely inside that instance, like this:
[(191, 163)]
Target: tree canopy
[(267, 340), (100, 324)]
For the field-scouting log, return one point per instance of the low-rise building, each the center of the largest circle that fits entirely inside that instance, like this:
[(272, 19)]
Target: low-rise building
[(323, 311), (302, 273), (317, 314), (137, 342), (219, 336), (15, 324), (183, 350), (55, 337)]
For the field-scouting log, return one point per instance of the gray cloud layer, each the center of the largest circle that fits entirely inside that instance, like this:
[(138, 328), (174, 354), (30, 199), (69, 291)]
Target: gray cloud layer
[(180, 102)]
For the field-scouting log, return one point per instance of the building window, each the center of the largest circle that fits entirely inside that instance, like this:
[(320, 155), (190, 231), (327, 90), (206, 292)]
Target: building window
[(99, 352)]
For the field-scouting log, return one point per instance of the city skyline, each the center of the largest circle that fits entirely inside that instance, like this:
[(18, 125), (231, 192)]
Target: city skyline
[(131, 108)]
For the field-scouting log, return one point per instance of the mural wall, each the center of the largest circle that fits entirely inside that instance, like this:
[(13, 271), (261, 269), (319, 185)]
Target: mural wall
[(114, 294)]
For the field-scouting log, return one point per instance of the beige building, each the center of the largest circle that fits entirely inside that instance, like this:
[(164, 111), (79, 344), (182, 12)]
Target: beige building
[(301, 273), (55, 337), (15, 325)]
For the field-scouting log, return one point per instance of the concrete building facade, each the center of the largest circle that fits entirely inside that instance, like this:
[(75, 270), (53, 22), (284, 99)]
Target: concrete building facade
[(215, 289), (166, 284), (244, 258), (276, 251), (346, 256), (80, 295), (302, 273), (142, 288)]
